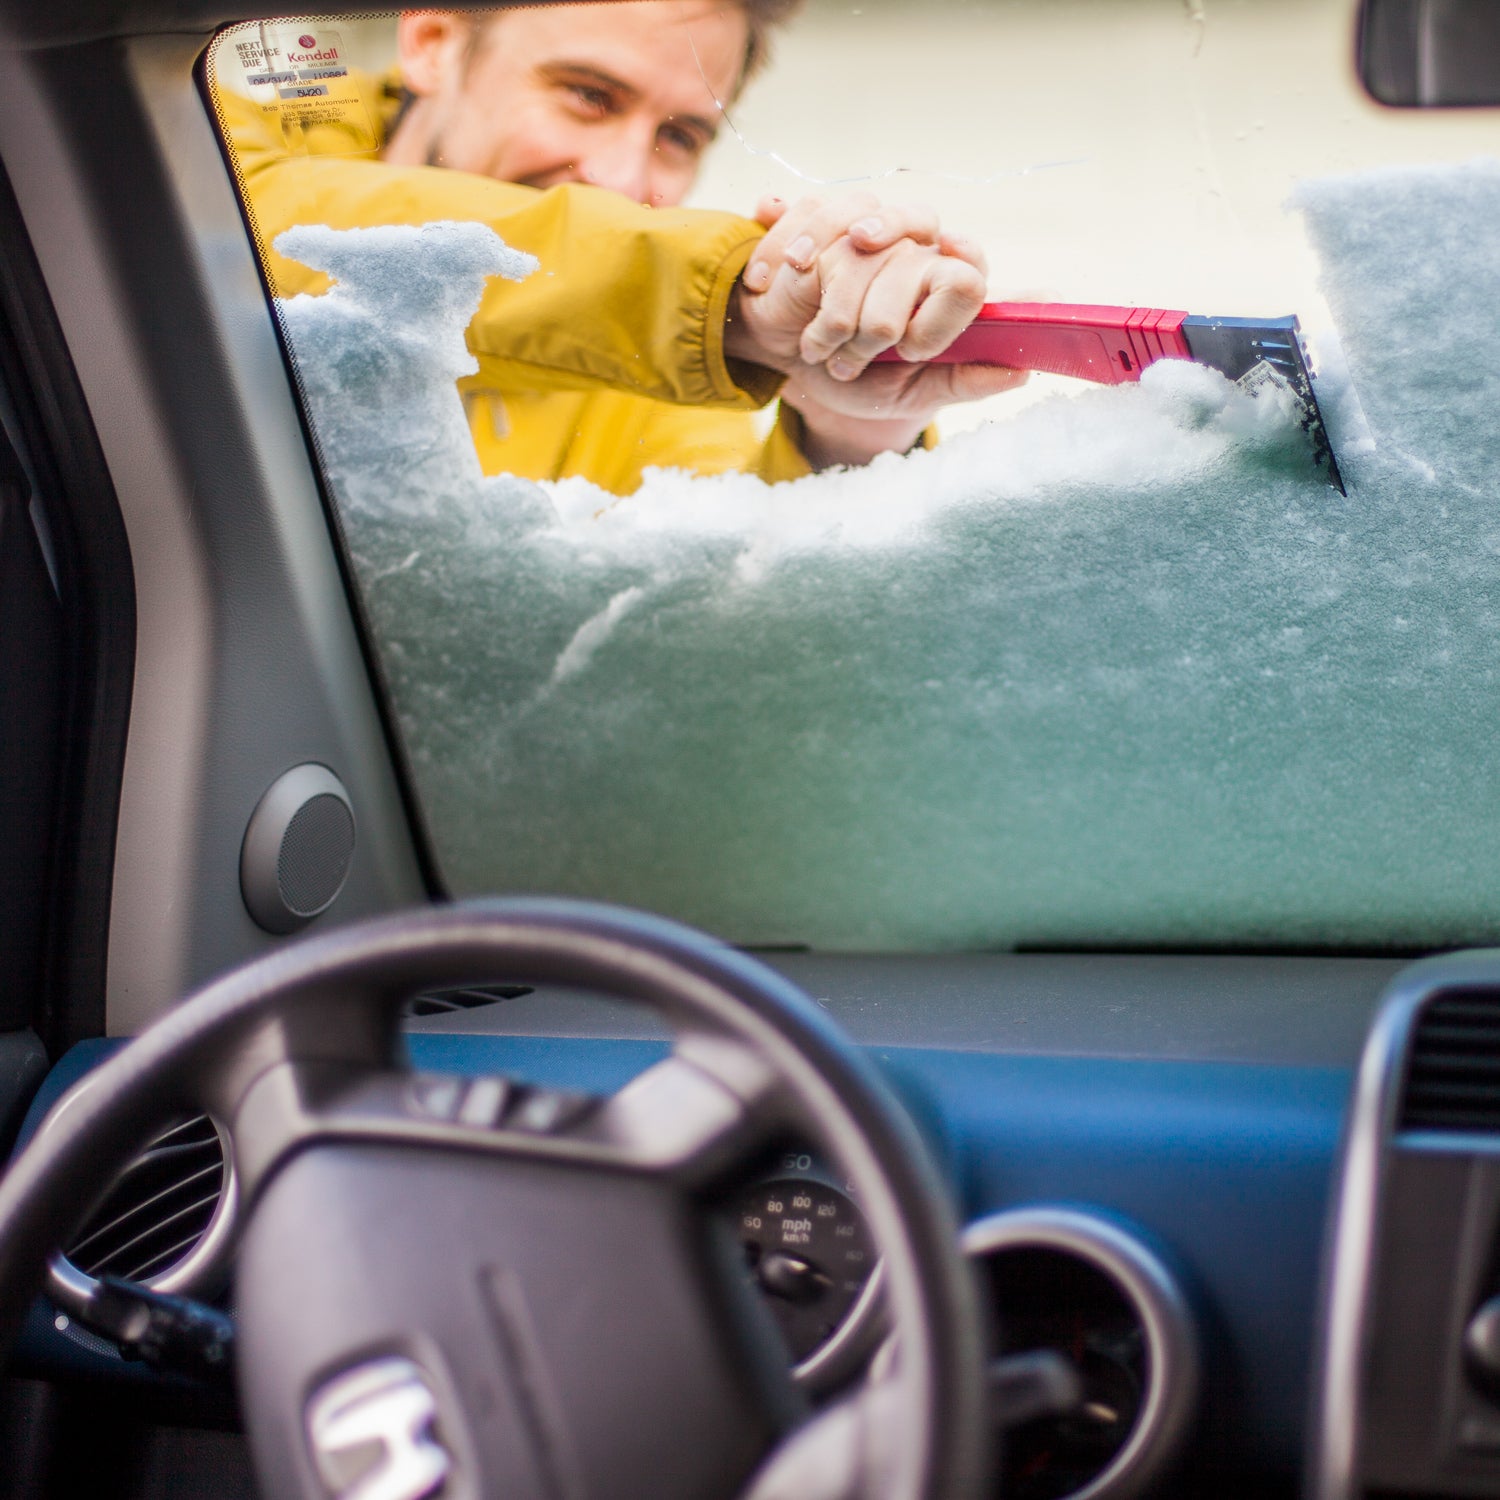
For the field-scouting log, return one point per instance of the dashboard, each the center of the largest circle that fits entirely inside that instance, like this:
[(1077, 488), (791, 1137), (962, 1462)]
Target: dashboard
[(1142, 1149)]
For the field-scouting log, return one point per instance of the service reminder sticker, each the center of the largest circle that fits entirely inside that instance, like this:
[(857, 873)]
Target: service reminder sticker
[(298, 72)]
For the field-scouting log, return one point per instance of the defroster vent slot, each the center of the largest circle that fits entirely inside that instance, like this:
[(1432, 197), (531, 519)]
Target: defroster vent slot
[(1453, 1068)]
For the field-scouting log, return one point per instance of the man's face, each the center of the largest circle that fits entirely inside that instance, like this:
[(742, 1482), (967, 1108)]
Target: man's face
[(620, 95)]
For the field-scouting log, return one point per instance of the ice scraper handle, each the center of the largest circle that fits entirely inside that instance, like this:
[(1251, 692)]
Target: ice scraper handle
[(1107, 345), (1110, 345)]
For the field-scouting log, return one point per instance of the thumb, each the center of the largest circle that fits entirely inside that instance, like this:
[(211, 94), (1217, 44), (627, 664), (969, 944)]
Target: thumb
[(768, 211), (792, 300), (946, 385)]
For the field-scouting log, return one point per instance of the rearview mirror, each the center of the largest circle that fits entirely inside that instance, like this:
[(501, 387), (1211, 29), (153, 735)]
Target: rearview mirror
[(1427, 54)]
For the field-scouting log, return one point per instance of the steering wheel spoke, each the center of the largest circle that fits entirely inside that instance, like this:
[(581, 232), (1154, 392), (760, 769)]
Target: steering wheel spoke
[(293, 1106), (704, 1109), (708, 1107)]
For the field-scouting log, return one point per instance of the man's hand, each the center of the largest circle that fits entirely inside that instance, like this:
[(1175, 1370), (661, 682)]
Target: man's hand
[(884, 410), (797, 233), (838, 284)]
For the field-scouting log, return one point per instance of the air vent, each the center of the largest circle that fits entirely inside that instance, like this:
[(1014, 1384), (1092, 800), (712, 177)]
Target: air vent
[(1062, 1280), (1453, 1069), (157, 1222), (446, 1002)]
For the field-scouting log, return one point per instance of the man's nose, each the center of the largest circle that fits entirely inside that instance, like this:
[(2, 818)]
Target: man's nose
[(623, 164)]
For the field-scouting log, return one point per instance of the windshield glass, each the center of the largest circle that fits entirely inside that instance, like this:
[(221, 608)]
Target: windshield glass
[(684, 602)]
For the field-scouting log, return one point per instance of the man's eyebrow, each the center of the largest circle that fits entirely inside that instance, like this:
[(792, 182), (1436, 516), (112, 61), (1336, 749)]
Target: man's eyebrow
[(561, 69)]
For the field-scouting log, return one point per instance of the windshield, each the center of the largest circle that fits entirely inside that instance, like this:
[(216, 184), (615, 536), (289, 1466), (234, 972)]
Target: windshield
[(676, 609)]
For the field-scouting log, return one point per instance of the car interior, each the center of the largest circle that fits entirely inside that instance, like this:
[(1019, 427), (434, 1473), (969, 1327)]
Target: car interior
[(843, 1013)]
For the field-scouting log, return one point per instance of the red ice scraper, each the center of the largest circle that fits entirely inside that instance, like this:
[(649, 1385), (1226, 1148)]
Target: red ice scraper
[(1109, 345)]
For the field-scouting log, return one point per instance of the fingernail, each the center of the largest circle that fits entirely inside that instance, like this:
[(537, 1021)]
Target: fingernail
[(841, 369), (800, 251), (870, 229), (757, 276)]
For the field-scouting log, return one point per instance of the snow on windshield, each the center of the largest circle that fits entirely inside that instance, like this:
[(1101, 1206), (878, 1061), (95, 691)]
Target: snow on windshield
[(1120, 669)]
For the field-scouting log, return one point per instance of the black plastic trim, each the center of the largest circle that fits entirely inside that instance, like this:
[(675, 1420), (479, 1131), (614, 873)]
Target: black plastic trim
[(33, 695), (97, 587), (24, 24)]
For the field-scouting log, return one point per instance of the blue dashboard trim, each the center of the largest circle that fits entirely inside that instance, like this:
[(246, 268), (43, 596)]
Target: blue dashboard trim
[(1224, 1168)]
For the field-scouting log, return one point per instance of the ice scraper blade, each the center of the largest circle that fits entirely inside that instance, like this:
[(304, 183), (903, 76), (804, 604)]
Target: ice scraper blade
[(1110, 345), (1253, 352)]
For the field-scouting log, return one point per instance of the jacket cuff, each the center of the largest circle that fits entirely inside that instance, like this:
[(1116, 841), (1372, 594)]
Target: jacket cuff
[(735, 382)]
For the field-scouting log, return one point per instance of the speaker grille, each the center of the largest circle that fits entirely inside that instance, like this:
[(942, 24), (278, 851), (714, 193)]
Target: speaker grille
[(314, 855), (158, 1209), (1453, 1075)]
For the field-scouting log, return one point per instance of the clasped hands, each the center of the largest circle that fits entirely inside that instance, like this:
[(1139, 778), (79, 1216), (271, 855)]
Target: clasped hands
[(832, 285)]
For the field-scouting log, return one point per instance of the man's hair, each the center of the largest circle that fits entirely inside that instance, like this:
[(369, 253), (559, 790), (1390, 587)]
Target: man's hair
[(763, 17)]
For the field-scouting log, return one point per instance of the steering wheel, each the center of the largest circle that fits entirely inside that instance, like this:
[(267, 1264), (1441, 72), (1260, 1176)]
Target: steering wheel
[(440, 1291)]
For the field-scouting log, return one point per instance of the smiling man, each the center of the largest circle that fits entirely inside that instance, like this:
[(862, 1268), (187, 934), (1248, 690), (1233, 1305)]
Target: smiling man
[(620, 95), (651, 331)]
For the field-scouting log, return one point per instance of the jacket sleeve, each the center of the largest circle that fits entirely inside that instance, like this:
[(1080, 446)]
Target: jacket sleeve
[(627, 298)]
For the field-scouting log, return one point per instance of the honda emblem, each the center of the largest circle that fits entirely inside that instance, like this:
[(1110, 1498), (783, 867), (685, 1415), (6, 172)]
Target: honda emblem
[(371, 1431)]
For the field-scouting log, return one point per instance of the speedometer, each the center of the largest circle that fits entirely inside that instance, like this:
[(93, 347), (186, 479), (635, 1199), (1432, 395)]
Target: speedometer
[(808, 1248)]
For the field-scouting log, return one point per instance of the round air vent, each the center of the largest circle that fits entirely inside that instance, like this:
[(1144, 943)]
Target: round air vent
[(165, 1220), (1067, 1281)]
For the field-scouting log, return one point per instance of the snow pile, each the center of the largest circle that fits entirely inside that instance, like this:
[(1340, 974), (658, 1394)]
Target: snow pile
[(1123, 668), (391, 431)]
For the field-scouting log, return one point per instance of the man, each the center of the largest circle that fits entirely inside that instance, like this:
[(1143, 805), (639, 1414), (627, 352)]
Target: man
[(639, 341)]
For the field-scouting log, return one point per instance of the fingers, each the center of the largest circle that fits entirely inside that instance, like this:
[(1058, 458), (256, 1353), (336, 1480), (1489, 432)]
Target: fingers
[(847, 278), (802, 232), (867, 304), (792, 300), (799, 233), (837, 283), (904, 221), (910, 296), (769, 210), (952, 294), (961, 247)]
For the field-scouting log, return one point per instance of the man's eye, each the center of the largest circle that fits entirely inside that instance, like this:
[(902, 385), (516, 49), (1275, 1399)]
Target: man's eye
[(676, 138), (595, 100)]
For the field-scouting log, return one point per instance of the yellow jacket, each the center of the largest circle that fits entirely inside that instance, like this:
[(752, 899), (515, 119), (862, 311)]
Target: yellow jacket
[(580, 373)]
